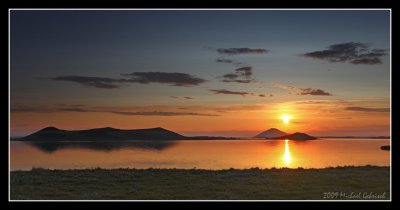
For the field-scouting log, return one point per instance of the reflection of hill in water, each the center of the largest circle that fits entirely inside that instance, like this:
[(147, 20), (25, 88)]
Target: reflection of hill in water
[(103, 146)]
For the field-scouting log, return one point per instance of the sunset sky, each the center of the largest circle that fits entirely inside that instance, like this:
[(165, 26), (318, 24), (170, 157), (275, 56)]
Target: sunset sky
[(228, 73)]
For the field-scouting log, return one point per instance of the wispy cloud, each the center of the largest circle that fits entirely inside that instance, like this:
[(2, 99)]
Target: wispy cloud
[(314, 92), (223, 91), (350, 52), (302, 91), (265, 95), (65, 108), (158, 113), (241, 75), (235, 51), (98, 82), (364, 109), (184, 97), (228, 92), (225, 60), (175, 79)]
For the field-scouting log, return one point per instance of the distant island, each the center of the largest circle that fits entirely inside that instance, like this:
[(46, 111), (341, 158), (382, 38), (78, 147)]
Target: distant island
[(271, 133), (275, 134), (297, 136), (110, 134), (386, 147)]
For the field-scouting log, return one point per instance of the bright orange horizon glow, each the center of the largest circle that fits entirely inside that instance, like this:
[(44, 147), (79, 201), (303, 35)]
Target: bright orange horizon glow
[(327, 117)]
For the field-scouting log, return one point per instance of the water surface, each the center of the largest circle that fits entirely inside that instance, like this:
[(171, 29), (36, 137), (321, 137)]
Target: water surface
[(204, 154)]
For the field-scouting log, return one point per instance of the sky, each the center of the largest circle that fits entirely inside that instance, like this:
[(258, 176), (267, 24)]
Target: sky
[(201, 72)]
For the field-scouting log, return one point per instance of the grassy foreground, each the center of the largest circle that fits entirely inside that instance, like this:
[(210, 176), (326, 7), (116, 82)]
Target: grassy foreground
[(342, 183)]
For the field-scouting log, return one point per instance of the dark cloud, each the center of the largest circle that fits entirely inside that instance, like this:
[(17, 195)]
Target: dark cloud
[(241, 75), (55, 109), (302, 91), (223, 91), (235, 51), (351, 52), (71, 105), (157, 113), (72, 110), (238, 80), (225, 60), (186, 97), (230, 76), (175, 79), (98, 82), (314, 92), (265, 95), (364, 109), (244, 71)]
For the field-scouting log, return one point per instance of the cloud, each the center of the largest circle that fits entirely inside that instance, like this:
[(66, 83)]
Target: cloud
[(265, 95), (223, 91), (238, 80), (301, 91), (72, 110), (244, 71), (241, 75), (64, 108), (158, 113), (364, 109), (225, 60), (235, 51), (175, 79), (314, 92), (350, 52), (98, 82), (230, 76), (185, 97)]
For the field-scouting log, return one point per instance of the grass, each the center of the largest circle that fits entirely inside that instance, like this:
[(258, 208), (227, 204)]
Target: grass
[(179, 184)]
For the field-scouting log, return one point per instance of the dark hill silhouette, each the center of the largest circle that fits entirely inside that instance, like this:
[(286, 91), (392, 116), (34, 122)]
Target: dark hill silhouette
[(107, 134), (297, 136), (271, 133)]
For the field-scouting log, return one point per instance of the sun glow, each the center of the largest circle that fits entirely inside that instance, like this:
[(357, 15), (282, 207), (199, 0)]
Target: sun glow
[(287, 158), (286, 119)]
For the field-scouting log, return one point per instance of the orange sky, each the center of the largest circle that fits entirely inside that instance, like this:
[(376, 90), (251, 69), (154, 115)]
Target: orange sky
[(316, 117)]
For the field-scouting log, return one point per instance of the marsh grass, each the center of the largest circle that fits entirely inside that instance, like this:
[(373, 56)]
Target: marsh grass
[(196, 184)]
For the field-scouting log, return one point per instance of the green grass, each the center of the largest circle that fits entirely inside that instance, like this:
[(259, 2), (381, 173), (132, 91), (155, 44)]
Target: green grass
[(172, 184)]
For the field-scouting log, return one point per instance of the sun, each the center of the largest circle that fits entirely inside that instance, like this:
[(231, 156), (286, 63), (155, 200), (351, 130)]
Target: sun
[(286, 118)]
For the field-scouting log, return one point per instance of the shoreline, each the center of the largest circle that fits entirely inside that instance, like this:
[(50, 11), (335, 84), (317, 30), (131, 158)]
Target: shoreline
[(344, 183)]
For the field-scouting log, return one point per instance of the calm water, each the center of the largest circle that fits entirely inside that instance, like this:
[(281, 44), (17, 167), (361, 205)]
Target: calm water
[(204, 154)]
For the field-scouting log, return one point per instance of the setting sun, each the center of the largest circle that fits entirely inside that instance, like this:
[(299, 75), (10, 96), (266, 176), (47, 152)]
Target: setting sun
[(286, 118)]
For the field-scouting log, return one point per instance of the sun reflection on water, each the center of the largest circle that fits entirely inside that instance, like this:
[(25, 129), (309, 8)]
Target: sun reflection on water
[(287, 158)]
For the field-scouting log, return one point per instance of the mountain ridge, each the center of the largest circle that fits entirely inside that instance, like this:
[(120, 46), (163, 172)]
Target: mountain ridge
[(108, 133)]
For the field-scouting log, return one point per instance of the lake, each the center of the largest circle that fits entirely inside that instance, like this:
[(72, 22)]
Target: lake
[(200, 154)]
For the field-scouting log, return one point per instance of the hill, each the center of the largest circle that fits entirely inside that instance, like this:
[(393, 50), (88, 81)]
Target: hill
[(107, 134), (271, 133), (297, 136)]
